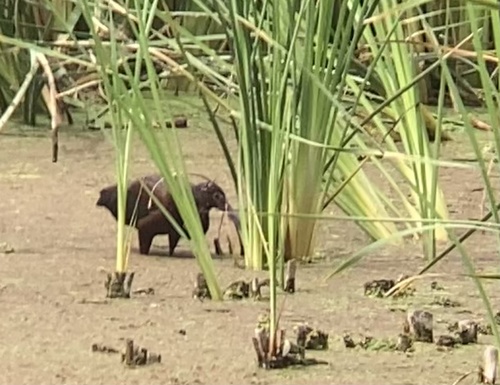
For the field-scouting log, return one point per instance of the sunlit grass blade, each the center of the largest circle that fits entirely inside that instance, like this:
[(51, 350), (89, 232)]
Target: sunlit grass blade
[(171, 168)]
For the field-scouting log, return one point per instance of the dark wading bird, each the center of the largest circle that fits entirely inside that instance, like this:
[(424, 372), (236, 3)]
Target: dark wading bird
[(150, 221)]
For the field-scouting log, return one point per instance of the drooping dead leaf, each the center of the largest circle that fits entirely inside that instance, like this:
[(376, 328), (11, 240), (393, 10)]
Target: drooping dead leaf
[(49, 94), (479, 124)]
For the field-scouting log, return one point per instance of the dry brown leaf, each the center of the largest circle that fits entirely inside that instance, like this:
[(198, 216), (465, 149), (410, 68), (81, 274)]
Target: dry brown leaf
[(479, 124)]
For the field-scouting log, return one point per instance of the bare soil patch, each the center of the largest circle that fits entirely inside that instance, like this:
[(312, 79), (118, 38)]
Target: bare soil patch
[(64, 244)]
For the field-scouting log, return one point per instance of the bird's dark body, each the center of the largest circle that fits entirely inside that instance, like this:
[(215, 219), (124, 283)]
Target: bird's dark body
[(150, 220)]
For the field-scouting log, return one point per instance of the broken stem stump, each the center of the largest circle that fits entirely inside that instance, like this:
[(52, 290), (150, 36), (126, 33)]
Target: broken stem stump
[(309, 338), (467, 332), (129, 352), (420, 325), (488, 371), (276, 356), (404, 342), (120, 286), (291, 268), (201, 290), (136, 356)]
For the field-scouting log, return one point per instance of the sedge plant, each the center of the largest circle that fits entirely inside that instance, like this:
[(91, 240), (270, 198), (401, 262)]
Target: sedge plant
[(287, 119), (122, 130), (288, 80), (136, 104), (475, 12)]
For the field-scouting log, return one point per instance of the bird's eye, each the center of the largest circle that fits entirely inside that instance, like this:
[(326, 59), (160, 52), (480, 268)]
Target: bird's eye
[(218, 196)]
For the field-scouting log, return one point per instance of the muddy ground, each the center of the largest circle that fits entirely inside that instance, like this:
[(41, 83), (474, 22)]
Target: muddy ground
[(64, 245)]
